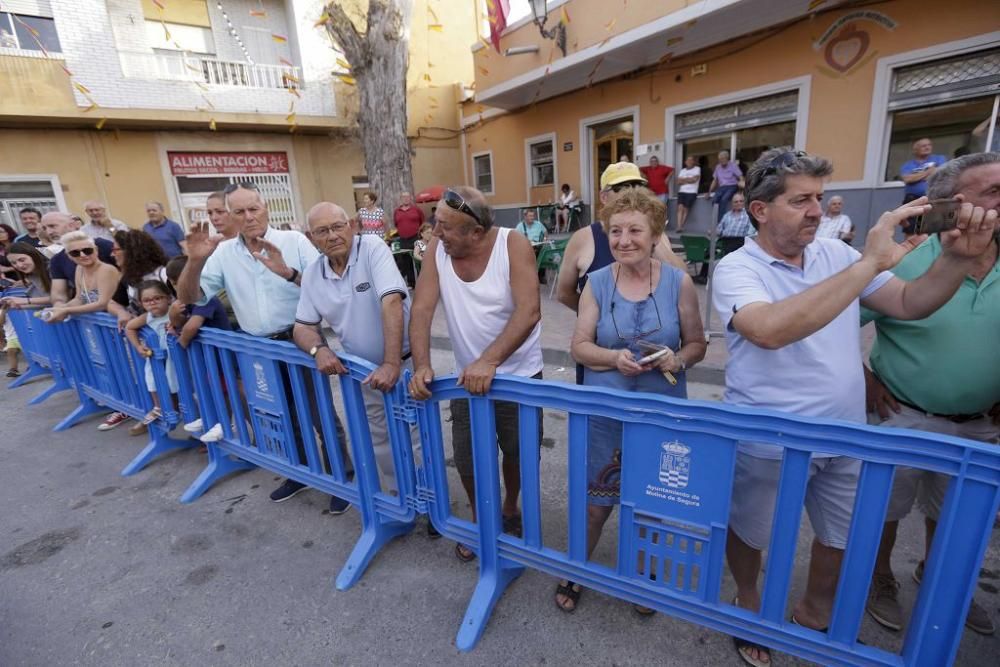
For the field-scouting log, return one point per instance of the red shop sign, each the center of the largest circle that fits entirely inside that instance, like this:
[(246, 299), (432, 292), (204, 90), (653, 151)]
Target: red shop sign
[(210, 164)]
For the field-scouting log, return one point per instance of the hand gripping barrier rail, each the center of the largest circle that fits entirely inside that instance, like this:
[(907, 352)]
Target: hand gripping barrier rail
[(677, 462), (40, 349), (109, 374), (271, 403)]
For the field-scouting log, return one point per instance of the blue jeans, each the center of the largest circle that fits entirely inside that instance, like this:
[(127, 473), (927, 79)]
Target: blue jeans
[(724, 195)]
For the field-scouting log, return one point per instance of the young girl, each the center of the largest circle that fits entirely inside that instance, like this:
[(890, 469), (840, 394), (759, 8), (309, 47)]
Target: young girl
[(420, 246), (155, 297)]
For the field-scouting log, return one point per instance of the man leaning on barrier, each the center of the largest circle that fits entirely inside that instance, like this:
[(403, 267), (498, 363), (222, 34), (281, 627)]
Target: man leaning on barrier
[(260, 269), (908, 386), (485, 278), (790, 306), (356, 287)]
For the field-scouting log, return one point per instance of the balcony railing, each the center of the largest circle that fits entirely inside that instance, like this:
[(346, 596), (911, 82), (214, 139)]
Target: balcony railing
[(210, 71)]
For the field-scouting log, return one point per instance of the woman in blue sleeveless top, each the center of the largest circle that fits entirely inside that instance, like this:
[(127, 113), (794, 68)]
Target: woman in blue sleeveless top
[(635, 300)]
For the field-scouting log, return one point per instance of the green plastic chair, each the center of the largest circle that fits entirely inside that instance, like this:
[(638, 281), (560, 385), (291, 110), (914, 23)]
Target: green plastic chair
[(696, 249), (550, 258)]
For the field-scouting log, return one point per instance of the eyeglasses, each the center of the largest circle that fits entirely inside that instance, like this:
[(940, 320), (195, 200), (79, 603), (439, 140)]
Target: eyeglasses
[(638, 312), (323, 232), (87, 252), (456, 202), (246, 185), (154, 299)]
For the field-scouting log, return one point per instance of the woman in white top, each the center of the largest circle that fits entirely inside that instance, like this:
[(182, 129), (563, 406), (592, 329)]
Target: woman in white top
[(567, 201), (687, 180)]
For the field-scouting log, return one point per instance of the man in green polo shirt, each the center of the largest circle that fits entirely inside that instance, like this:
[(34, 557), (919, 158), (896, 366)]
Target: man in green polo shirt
[(939, 374)]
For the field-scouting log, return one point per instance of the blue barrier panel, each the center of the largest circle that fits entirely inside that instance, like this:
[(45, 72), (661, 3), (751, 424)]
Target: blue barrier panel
[(677, 462), (271, 404), (109, 373), (39, 349)]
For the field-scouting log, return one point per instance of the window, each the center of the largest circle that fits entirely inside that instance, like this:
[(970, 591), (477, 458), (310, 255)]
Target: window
[(951, 101), (28, 33), (746, 129), (542, 165), (482, 166), (191, 38)]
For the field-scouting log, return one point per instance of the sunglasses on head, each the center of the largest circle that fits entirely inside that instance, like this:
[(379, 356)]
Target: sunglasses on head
[(456, 202), (246, 185), (618, 187), (87, 252)]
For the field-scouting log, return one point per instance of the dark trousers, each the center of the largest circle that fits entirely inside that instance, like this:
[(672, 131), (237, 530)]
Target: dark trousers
[(724, 195), (405, 261)]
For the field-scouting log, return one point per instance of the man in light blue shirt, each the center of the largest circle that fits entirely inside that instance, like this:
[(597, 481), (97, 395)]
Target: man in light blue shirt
[(790, 305), (261, 270), (534, 230)]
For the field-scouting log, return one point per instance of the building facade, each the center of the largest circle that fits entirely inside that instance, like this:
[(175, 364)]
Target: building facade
[(856, 82), (127, 101)]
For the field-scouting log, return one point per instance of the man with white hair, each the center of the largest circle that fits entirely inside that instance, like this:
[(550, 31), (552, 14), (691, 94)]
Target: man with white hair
[(261, 270), (167, 233), (835, 224), (101, 225)]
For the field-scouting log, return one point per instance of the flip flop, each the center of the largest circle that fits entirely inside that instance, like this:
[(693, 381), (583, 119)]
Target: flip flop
[(743, 647), (573, 594), (464, 554)]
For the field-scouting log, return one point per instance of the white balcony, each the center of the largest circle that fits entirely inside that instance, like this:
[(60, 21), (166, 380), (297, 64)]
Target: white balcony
[(210, 71)]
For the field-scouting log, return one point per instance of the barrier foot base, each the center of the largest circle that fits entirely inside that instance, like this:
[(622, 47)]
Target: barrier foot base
[(30, 374), (87, 408), (488, 591), (159, 443), (373, 538), (219, 465), (60, 385)]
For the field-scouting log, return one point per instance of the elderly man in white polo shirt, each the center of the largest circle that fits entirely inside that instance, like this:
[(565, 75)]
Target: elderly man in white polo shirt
[(356, 287), (260, 269), (790, 306)]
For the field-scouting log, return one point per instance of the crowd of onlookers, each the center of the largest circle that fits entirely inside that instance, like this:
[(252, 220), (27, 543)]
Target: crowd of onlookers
[(791, 294)]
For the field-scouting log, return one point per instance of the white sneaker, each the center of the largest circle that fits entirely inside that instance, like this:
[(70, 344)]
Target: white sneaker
[(194, 427), (213, 434)]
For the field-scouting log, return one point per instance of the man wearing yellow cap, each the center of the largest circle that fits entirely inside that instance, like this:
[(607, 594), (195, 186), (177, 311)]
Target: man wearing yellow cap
[(588, 249)]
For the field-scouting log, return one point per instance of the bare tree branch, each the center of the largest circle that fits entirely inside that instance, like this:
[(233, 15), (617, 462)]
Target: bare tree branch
[(342, 30)]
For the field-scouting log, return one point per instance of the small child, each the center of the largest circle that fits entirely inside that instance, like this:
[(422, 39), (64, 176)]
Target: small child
[(420, 247), (155, 298), (187, 319)]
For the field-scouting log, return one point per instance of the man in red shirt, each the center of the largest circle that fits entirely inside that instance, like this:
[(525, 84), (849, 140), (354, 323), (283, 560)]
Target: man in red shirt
[(407, 219), (658, 176)]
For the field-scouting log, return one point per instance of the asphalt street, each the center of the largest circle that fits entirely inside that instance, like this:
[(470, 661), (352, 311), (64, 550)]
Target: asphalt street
[(100, 569)]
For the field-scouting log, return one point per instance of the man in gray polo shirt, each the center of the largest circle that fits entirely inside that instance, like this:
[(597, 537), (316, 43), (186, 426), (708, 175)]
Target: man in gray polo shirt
[(356, 287), (790, 306)]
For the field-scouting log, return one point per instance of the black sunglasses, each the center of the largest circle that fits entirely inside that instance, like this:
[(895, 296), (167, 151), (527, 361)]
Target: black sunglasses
[(456, 202), (82, 251), (783, 161), (246, 185)]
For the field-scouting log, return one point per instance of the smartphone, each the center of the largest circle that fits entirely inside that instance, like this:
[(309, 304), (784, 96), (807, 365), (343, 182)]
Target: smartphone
[(648, 359), (942, 216)]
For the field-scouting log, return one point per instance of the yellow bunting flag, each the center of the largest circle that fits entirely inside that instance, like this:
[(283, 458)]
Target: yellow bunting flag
[(428, 118), (427, 77), (610, 24), (565, 16), (691, 23), (258, 13), (100, 123), (93, 105), (436, 27), (814, 4), (166, 33), (289, 78), (211, 125), (82, 88), (343, 64), (349, 80), (290, 118), (295, 91), (280, 39), (675, 40), (484, 71), (322, 20)]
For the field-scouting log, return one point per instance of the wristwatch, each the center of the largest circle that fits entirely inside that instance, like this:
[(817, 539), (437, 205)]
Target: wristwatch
[(315, 350)]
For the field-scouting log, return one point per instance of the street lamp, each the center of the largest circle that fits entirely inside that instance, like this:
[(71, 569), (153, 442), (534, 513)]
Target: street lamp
[(541, 12)]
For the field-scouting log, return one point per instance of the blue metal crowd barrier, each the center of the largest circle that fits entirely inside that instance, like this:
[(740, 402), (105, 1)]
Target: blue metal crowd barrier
[(40, 350), (271, 403), (109, 375), (677, 462)]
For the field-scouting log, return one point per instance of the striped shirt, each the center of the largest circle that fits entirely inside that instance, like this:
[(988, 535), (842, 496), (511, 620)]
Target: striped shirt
[(736, 224)]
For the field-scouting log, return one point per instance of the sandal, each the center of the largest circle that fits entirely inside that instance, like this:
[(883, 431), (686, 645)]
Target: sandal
[(512, 525), (644, 612), (743, 648), (152, 416), (572, 592), (464, 553)]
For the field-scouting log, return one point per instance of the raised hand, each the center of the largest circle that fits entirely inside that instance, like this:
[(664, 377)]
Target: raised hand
[(272, 258), (881, 248), (200, 242)]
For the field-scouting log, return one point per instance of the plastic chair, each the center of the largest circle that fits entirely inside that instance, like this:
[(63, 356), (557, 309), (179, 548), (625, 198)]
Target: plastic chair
[(696, 249), (550, 257)]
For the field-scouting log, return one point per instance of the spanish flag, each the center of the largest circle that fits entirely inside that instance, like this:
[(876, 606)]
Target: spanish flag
[(497, 10)]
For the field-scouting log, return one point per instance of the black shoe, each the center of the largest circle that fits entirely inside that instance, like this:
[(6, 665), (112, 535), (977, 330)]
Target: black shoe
[(432, 532), (288, 489), (338, 505)]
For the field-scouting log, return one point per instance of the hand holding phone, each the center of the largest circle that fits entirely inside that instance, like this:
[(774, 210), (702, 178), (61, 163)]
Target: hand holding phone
[(942, 216)]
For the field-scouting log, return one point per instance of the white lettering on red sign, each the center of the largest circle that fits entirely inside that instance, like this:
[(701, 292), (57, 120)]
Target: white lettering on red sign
[(209, 164)]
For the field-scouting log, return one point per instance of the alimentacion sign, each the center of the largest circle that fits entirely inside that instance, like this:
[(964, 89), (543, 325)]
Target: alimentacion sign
[(211, 164)]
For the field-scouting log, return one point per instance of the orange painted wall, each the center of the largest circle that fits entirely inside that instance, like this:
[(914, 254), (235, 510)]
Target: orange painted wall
[(839, 106)]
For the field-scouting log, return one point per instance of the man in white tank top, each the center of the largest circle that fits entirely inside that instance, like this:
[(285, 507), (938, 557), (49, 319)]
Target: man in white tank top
[(486, 280)]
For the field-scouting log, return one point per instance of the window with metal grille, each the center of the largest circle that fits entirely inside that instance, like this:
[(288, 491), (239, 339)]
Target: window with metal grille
[(969, 75), (542, 168), (482, 166), (746, 113)]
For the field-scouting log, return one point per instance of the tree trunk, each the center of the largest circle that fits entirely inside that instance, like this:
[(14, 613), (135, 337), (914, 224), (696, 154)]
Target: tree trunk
[(379, 59)]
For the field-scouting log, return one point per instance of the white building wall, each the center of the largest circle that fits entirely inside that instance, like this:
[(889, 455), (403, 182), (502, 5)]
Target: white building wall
[(93, 32)]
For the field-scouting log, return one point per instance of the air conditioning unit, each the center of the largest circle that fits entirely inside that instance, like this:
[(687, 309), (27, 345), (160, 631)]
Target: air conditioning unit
[(645, 151)]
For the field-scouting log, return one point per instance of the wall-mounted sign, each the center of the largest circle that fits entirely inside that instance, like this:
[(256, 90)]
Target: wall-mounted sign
[(568, 146), (204, 164), (845, 46)]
